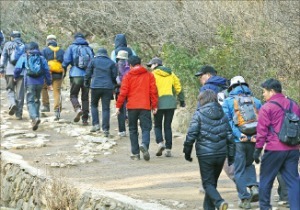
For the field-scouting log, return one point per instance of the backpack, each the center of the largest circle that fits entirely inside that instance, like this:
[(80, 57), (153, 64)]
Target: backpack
[(34, 65), (245, 114), (15, 50), (222, 95), (123, 68), (55, 66), (82, 56), (290, 128)]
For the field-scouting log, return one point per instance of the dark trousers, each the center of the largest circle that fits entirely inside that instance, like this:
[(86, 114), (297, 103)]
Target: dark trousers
[(146, 125), (282, 188), (76, 86), (165, 115), (285, 162), (122, 116), (210, 170), (105, 96)]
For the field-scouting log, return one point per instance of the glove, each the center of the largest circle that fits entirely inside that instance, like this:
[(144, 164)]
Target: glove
[(187, 150), (86, 84), (256, 155), (230, 160), (182, 103)]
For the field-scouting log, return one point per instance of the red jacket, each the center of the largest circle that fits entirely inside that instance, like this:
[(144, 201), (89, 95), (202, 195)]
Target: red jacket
[(271, 115), (139, 88)]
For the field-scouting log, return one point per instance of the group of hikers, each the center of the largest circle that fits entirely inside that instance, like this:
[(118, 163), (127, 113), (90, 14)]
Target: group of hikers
[(230, 127)]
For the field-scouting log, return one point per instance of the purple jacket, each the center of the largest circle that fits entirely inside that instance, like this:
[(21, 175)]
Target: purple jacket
[(271, 115)]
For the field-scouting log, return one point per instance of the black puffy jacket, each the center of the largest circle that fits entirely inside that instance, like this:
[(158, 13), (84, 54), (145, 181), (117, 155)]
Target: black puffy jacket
[(210, 129)]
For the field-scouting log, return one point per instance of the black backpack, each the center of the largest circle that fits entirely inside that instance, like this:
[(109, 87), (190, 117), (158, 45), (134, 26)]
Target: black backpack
[(290, 128)]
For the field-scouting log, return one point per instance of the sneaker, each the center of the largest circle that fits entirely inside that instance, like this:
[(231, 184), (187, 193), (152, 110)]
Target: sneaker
[(57, 116), (85, 123), (254, 194), (161, 148), (35, 124), (106, 133), (122, 134), (283, 203), (135, 157), (78, 115), (45, 109), (223, 206), (12, 109), (145, 152), (168, 153), (19, 117), (95, 128), (245, 204)]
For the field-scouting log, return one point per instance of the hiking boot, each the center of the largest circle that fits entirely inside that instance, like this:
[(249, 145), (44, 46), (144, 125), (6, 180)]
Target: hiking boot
[(161, 148), (135, 157), (45, 108), (245, 204), (122, 134), (106, 133), (168, 153), (145, 152), (254, 194), (19, 117), (95, 128), (56, 116), (12, 109), (223, 206), (35, 123), (78, 115)]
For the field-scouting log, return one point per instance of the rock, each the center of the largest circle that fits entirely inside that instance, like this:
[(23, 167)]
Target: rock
[(13, 133)]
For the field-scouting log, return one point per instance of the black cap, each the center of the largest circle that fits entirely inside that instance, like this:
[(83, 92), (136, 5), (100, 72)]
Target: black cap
[(15, 34), (78, 35), (205, 70), (102, 51), (154, 60)]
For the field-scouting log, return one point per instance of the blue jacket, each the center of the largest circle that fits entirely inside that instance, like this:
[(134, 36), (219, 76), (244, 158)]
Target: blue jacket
[(215, 83), (103, 72), (70, 55), (121, 44), (228, 107), (20, 67)]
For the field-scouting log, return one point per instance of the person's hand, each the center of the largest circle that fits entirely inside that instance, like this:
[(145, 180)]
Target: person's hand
[(154, 111), (117, 111), (86, 84), (188, 157), (50, 87), (230, 160), (182, 104), (187, 150), (243, 138), (253, 138), (256, 155)]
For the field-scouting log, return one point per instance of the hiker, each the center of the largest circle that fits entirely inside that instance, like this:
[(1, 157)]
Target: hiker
[(123, 69), (241, 105), (121, 44), (278, 156), (55, 56), (101, 78), (36, 71), (2, 41), (139, 88), (12, 51), (211, 131), (78, 55), (169, 88)]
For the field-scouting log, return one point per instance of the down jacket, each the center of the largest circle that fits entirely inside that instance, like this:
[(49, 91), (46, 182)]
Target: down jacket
[(210, 129)]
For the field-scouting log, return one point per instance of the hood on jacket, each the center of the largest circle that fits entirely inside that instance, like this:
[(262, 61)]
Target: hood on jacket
[(138, 69), (212, 111), (240, 90), (120, 41), (52, 43), (80, 41), (217, 80), (162, 71)]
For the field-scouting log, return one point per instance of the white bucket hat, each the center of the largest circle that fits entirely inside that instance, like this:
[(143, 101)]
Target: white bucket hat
[(122, 54), (237, 80)]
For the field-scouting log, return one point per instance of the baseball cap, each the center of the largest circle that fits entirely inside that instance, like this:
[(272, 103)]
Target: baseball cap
[(154, 60), (205, 70)]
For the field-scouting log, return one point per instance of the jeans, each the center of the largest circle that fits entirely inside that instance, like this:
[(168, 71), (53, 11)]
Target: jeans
[(122, 116), (15, 93), (56, 85), (105, 96), (76, 86), (285, 162), (33, 95), (244, 170), (146, 125), (167, 116), (282, 188), (210, 170)]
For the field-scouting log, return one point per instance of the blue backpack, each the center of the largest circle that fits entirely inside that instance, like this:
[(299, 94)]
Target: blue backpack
[(16, 49), (34, 65), (82, 56)]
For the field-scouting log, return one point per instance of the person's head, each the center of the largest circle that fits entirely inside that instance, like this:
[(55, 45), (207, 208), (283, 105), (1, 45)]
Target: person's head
[(134, 60), (50, 39), (78, 35), (122, 54), (236, 81), (207, 96), (205, 73), (102, 52), (31, 46), (270, 88), (154, 62), (15, 34)]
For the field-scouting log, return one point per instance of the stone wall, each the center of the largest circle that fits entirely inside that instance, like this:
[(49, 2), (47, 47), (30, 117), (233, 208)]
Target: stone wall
[(25, 187)]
